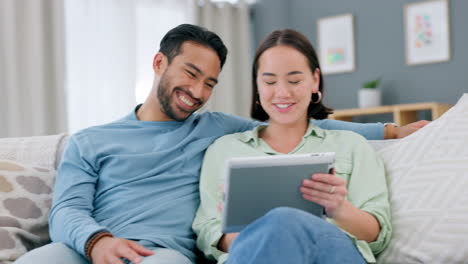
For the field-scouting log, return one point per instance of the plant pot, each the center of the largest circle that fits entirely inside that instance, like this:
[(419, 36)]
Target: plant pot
[(369, 98)]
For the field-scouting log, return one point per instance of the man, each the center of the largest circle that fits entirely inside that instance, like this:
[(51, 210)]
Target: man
[(128, 190)]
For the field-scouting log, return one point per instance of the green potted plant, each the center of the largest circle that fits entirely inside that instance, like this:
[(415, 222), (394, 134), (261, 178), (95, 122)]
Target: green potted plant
[(369, 95)]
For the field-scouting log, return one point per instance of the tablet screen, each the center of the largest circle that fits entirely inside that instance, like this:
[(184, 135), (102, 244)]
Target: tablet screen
[(255, 185)]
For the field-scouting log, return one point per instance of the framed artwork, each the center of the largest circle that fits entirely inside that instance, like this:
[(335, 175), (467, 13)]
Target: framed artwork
[(427, 32), (336, 43)]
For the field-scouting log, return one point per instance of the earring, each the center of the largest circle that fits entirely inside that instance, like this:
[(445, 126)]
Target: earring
[(319, 97), (257, 102)]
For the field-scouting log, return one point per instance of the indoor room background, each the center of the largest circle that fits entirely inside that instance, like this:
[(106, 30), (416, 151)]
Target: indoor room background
[(379, 50), (66, 65)]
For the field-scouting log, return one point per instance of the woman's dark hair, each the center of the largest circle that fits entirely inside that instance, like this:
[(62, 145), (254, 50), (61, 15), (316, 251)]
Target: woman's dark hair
[(299, 42), (173, 40)]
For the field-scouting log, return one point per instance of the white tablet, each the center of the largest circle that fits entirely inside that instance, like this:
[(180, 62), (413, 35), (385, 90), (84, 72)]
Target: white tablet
[(255, 185)]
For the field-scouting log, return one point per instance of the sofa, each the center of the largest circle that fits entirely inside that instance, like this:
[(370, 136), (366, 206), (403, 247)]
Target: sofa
[(427, 174)]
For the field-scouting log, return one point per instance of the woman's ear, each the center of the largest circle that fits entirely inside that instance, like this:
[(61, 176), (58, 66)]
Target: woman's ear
[(316, 78), (159, 63)]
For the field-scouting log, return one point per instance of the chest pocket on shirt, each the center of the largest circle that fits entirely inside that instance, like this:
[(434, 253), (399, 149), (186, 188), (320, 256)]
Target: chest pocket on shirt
[(343, 168)]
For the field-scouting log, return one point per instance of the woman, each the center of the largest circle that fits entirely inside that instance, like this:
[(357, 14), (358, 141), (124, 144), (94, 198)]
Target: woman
[(287, 92)]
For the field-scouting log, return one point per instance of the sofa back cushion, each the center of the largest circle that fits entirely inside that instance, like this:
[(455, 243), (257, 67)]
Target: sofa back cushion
[(25, 200), (428, 181), (43, 151)]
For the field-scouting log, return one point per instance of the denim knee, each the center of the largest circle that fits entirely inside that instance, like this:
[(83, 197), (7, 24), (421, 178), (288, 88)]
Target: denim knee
[(286, 213), (293, 220), (288, 235), (54, 253)]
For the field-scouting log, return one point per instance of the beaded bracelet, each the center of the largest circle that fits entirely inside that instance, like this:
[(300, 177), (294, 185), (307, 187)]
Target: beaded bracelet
[(93, 240)]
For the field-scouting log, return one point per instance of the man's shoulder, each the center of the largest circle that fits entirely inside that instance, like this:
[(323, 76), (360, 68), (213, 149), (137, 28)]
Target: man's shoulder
[(101, 131)]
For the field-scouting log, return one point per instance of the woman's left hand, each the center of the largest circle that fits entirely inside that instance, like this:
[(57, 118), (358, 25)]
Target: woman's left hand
[(327, 190)]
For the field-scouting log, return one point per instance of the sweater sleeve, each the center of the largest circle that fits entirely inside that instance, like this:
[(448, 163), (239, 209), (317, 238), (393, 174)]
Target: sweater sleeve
[(70, 219), (371, 131), (233, 124)]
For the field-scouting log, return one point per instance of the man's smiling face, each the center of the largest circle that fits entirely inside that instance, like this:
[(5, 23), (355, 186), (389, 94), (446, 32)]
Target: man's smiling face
[(188, 81)]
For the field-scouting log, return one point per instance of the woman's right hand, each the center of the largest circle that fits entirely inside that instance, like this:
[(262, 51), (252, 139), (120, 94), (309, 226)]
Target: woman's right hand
[(226, 241), (327, 190), (330, 191)]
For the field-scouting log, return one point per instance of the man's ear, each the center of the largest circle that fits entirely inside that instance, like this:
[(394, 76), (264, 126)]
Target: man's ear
[(159, 63)]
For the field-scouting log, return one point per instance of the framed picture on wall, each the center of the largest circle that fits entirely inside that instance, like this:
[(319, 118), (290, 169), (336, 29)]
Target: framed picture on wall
[(427, 31), (336, 43)]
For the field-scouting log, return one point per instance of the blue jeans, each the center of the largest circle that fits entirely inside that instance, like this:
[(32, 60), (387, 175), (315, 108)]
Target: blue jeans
[(58, 253), (286, 235)]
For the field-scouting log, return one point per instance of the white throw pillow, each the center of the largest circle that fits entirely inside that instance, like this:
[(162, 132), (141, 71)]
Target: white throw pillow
[(25, 200), (428, 180)]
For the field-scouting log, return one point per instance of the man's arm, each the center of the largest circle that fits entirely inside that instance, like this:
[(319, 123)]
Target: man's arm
[(234, 124), (70, 220), (401, 132), (372, 131)]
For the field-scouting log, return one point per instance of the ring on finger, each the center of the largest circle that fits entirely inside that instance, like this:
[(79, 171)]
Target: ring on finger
[(332, 189)]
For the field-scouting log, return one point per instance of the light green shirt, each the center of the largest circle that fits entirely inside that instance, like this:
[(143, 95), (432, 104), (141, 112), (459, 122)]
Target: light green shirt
[(356, 162)]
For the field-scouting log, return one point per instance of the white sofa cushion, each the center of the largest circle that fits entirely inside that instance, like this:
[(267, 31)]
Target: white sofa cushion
[(428, 180), (25, 199), (380, 144), (43, 151)]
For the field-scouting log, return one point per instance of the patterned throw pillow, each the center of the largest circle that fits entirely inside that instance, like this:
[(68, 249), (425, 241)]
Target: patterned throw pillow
[(25, 200), (428, 181)]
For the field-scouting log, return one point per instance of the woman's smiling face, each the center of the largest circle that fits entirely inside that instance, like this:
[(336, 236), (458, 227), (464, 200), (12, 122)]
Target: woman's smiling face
[(285, 85)]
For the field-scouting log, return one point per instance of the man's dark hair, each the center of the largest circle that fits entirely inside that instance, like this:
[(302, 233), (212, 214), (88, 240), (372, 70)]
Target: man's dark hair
[(299, 42), (171, 43)]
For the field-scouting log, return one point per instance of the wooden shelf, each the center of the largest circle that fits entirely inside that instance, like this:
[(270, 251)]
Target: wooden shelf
[(402, 114)]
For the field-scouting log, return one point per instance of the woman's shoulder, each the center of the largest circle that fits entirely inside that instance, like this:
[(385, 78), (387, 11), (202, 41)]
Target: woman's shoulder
[(225, 140), (346, 141), (345, 136), (229, 141), (234, 145)]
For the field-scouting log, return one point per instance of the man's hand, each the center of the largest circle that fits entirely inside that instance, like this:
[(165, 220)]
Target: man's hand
[(111, 249), (410, 128), (226, 241)]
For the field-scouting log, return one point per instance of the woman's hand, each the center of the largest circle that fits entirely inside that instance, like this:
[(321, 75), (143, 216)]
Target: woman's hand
[(327, 190), (330, 191)]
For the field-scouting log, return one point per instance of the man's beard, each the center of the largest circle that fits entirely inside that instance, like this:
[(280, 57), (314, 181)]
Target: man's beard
[(165, 100)]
